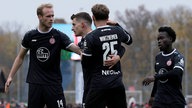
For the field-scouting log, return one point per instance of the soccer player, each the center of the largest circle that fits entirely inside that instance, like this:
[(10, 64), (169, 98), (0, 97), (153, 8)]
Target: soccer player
[(81, 25), (106, 86), (169, 68), (44, 75)]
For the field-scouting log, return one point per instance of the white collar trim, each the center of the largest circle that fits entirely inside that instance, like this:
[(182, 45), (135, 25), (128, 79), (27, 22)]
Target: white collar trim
[(169, 53), (44, 32)]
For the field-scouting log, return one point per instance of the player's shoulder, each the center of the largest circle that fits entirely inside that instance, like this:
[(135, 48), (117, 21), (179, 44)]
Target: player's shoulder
[(107, 28), (32, 31), (177, 54), (99, 31), (90, 35), (159, 54), (57, 32), (118, 28)]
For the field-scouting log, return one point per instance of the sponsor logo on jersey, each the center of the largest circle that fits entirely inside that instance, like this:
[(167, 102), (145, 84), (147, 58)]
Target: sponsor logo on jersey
[(162, 71), (157, 63), (169, 62), (42, 54), (34, 40), (110, 72)]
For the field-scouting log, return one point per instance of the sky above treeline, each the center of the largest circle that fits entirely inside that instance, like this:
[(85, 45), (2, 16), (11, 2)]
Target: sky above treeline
[(23, 12)]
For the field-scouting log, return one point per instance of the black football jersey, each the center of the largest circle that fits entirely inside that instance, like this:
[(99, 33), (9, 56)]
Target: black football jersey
[(169, 89), (98, 44), (45, 49), (86, 74)]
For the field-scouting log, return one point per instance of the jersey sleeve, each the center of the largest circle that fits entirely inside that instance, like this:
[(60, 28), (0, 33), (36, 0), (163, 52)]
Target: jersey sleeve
[(25, 41), (121, 52), (65, 41), (179, 62), (125, 36)]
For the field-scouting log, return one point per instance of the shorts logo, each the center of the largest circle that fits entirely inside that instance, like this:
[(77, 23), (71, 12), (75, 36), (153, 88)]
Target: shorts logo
[(42, 54)]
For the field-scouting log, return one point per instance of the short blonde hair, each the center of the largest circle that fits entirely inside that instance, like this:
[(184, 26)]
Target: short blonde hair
[(42, 6)]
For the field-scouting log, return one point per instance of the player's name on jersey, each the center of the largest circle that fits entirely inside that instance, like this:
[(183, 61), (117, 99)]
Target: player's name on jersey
[(108, 37)]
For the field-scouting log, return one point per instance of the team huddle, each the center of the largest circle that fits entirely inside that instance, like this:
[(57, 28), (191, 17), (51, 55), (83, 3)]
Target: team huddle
[(101, 50)]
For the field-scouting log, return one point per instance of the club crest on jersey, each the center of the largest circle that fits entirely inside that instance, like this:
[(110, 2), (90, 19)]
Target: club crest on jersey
[(52, 40), (42, 54), (169, 62)]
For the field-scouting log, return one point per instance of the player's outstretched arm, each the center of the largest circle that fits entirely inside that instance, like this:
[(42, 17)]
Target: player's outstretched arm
[(75, 49), (111, 62), (113, 23), (114, 59), (148, 80), (16, 65)]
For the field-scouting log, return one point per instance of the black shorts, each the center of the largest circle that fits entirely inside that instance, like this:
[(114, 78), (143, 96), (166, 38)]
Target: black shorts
[(163, 105), (41, 95), (112, 98), (85, 92)]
